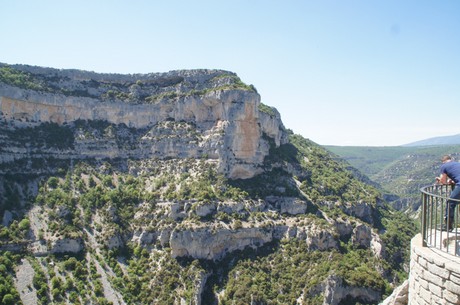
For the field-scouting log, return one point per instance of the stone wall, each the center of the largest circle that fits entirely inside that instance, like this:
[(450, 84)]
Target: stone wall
[(434, 276)]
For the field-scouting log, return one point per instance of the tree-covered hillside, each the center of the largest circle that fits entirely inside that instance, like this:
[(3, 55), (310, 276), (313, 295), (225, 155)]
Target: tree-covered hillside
[(112, 210), (400, 171)]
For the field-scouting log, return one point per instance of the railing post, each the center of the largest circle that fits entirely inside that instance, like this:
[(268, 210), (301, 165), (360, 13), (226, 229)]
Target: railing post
[(424, 219), (435, 229)]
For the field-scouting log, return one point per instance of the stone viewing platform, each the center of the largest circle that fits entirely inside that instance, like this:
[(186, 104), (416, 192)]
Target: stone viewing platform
[(448, 242), (434, 275)]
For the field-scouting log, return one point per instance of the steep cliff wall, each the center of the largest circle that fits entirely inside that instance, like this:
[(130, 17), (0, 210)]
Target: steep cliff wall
[(223, 111)]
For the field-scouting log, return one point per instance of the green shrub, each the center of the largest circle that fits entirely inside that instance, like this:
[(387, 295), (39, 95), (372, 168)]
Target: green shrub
[(53, 182), (20, 79), (8, 299), (24, 224)]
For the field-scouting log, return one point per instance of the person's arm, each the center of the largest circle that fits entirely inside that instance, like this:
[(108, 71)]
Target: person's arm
[(442, 179)]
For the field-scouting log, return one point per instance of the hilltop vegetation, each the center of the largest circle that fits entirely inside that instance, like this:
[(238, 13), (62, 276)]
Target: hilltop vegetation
[(127, 89)]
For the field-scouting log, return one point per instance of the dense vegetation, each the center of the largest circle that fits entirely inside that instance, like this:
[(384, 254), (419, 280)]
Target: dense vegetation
[(371, 160), (8, 293), (20, 79), (100, 198), (46, 135), (279, 277)]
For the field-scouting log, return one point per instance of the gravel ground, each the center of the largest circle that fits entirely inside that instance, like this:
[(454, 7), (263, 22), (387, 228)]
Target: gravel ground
[(24, 276)]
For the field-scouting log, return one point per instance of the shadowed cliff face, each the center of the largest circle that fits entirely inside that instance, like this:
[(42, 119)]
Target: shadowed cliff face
[(222, 111)]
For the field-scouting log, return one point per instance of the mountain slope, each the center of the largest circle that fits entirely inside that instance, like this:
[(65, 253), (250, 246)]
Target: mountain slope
[(400, 171), (446, 140), (209, 201)]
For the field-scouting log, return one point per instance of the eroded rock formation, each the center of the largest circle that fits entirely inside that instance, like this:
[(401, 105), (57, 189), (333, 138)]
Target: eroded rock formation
[(220, 115)]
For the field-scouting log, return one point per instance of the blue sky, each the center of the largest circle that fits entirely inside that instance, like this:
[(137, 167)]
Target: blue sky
[(344, 72)]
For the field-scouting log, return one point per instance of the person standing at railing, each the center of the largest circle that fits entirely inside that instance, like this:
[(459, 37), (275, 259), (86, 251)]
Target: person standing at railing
[(450, 174)]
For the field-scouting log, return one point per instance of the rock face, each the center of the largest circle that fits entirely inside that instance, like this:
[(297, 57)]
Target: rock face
[(365, 238), (7, 218), (204, 244), (287, 205), (335, 292), (400, 295), (223, 113), (67, 245), (215, 243)]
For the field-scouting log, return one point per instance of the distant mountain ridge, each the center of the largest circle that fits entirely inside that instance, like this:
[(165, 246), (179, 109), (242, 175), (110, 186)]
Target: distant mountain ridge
[(446, 140)]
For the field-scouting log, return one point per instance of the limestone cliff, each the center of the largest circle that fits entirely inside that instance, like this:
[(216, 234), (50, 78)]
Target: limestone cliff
[(219, 111)]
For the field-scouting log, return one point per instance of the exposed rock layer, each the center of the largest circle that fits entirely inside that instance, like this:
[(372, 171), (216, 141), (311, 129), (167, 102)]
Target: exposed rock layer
[(227, 118)]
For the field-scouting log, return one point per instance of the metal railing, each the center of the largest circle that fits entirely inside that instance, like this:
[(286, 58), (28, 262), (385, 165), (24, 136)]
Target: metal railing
[(435, 229)]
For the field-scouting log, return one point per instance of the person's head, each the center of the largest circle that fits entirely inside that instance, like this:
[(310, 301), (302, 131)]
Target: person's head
[(446, 158)]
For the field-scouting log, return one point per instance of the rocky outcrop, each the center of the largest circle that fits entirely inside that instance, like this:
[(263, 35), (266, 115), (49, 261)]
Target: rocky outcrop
[(213, 243), (400, 295), (67, 245), (321, 239), (203, 243), (222, 111), (285, 205), (361, 210), (335, 291), (365, 238), (288, 205), (7, 218), (200, 284)]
